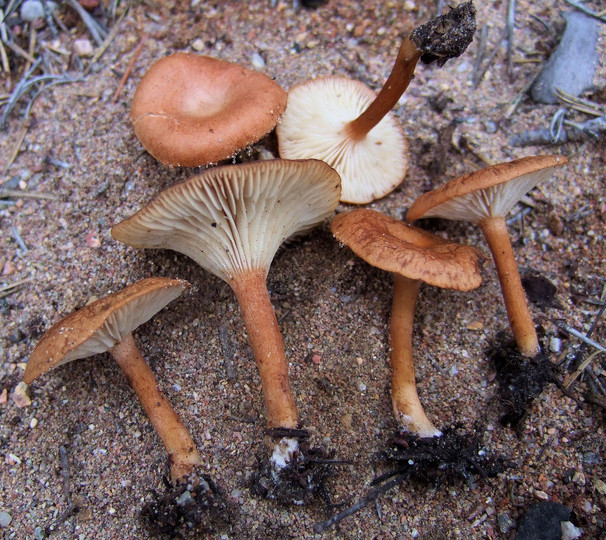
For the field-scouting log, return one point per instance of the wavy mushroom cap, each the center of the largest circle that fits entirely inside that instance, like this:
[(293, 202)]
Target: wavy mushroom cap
[(232, 219), (191, 110), (314, 126), (489, 192), (99, 326), (398, 247)]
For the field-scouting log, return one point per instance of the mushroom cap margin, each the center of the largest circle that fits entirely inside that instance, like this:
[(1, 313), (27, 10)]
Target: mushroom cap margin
[(396, 246), (100, 325)]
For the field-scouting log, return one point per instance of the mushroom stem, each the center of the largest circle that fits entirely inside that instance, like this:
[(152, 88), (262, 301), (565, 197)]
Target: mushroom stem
[(266, 342), (392, 90), (497, 236), (407, 407), (178, 442)]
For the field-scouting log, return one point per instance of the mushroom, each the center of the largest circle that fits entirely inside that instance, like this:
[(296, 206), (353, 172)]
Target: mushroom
[(348, 126), (485, 197), (231, 220), (107, 325), (191, 110), (412, 256)]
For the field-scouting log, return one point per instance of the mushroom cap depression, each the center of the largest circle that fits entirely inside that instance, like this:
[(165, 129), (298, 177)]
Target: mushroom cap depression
[(489, 192), (314, 126), (190, 110), (232, 219), (97, 327), (398, 247)]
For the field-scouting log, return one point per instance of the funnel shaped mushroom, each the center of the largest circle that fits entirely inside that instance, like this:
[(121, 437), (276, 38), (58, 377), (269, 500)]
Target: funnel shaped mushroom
[(485, 197), (347, 125), (412, 256), (106, 326), (191, 110), (231, 220)]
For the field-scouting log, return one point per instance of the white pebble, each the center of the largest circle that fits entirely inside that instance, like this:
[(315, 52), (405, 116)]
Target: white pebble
[(362, 387), (555, 345), (33, 423), (257, 61)]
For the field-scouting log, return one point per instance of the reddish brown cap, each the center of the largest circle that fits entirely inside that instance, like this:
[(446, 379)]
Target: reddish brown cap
[(492, 191), (97, 327), (191, 110), (314, 126), (399, 247)]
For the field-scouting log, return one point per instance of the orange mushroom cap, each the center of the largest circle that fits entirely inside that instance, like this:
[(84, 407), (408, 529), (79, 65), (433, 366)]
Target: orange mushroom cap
[(191, 110), (399, 247)]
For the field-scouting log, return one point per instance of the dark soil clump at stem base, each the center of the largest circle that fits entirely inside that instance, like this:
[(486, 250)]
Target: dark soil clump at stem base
[(301, 482), (457, 454), (200, 509), (521, 379)]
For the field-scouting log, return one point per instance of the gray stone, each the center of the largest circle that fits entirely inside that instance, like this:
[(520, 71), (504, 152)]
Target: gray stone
[(573, 63), (5, 519), (33, 9)]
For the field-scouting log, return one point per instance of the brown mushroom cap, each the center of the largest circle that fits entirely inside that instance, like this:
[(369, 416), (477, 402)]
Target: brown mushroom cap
[(233, 219), (99, 326), (191, 110), (399, 247), (314, 126), (489, 192)]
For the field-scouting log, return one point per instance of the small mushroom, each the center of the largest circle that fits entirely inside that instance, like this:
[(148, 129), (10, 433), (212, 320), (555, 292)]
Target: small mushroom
[(231, 220), (191, 110), (348, 126), (106, 326), (485, 197), (412, 256)]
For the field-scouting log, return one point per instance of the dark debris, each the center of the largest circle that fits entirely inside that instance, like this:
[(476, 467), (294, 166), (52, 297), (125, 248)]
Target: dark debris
[(301, 483), (521, 379), (201, 508)]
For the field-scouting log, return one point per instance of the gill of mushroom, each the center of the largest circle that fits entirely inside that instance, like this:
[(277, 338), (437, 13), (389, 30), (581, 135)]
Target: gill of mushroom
[(413, 256), (106, 325), (347, 125), (486, 197), (231, 220)]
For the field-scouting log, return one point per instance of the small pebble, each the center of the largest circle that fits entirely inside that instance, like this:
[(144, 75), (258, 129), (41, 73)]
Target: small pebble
[(362, 387), (20, 395), (3, 396), (198, 45), (257, 61), (569, 531), (555, 345), (33, 9), (5, 519), (33, 423), (83, 47)]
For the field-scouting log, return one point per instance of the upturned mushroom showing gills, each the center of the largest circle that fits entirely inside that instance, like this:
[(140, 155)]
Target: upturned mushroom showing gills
[(106, 326), (347, 125), (485, 197), (231, 220), (191, 110), (412, 256)]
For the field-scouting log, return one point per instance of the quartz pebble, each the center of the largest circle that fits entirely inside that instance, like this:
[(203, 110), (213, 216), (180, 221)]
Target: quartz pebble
[(5, 519), (20, 395)]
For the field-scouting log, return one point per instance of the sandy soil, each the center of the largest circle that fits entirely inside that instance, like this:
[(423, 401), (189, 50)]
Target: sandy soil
[(333, 308)]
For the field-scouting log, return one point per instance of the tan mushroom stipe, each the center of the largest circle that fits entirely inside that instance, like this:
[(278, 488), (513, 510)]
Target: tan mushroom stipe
[(107, 325), (190, 110), (231, 220), (412, 256), (486, 197), (348, 126)]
